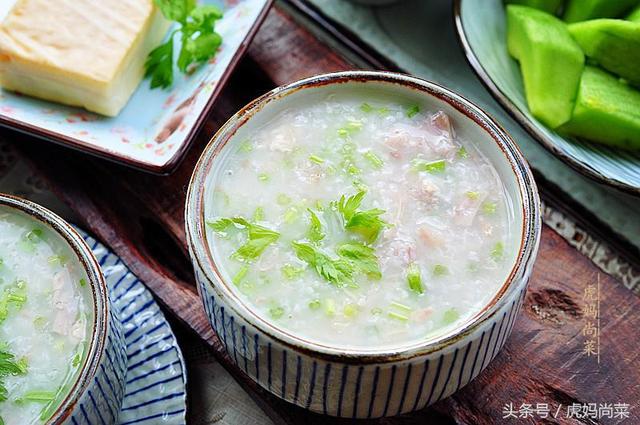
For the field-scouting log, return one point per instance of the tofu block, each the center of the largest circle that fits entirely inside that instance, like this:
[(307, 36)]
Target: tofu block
[(550, 60), (613, 44), (87, 53), (607, 111)]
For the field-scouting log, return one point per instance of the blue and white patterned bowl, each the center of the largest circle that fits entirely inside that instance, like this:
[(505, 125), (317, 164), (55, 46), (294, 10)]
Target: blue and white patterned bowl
[(96, 396), (368, 383)]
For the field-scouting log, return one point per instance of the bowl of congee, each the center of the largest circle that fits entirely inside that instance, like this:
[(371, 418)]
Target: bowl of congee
[(62, 353), (362, 241)]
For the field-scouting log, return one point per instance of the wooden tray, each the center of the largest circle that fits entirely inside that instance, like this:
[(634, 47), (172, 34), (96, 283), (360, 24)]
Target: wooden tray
[(140, 216)]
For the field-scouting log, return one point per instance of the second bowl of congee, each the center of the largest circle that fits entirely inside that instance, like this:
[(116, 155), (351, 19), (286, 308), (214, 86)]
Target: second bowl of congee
[(362, 219), (55, 327)]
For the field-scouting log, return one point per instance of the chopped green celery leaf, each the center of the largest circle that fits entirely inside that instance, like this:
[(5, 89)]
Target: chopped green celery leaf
[(283, 199), (361, 257), (357, 183), (433, 167), (34, 235), (414, 279), (330, 307), (365, 107), (258, 237), (315, 304), (58, 260), (276, 312), (39, 322), (291, 215), (337, 272), (497, 253), (401, 317), (473, 195), (350, 205), (258, 214), (401, 306), (350, 310), (462, 153), (242, 273), (292, 272), (489, 208), (38, 396), (374, 159), (246, 146), (367, 223), (450, 316), (413, 110), (440, 270), (83, 282), (263, 177), (316, 159), (315, 233), (9, 366)]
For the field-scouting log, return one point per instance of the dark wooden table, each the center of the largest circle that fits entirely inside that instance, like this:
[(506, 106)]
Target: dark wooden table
[(140, 216)]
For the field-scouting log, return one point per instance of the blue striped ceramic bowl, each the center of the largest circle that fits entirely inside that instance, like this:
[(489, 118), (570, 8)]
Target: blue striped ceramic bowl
[(369, 383), (96, 396)]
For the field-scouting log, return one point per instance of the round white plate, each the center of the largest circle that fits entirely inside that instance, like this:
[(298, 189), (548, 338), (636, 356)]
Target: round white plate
[(155, 391)]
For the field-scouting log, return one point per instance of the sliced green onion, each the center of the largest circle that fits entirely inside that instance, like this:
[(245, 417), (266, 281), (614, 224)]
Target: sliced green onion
[(292, 272), (263, 177), (246, 146), (397, 316), (462, 153), (315, 304), (365, 107), (489, 208), (472, 195), (440, 270), (497, 252), (450, 316), (374, 159), (350, 310), (239, 277), (414, 279), (276, 312), (433, 167), (412, 111), (316, 159), (401, 306)]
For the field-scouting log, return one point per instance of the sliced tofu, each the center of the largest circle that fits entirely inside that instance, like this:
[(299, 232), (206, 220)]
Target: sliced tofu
[(87, 53)]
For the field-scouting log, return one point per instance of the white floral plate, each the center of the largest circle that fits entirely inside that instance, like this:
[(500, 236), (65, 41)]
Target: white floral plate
[(155, 391), (156, 126)]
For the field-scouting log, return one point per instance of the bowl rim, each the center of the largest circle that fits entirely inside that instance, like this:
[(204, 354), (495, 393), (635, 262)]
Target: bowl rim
[(496, 92), (97, 342), (517, 279)]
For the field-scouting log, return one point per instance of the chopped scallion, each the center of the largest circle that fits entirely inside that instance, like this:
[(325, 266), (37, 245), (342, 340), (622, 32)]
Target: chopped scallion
[(374, 159), (316, 159), (440, 270), (433, 167), (414, 279), (413, 110), (397, 316)]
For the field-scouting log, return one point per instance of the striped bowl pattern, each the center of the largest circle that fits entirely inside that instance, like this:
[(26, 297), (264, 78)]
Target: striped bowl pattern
[(100, 403), (364, 383), (154, 385), (351, 390)]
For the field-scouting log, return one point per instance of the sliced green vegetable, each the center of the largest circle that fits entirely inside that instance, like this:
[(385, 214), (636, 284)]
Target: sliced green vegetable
[(316, 159), (258, 237), (315, 233), (582, 10), (413, 110), (350, 310), (292, 272), (462, 153), (497, 253), (551, 62), (607, 111), (414, 278), (397, 316), (263, 177), (242, 273), (450, 316), (315, 304), (373, 159), (401, 306), (489, 208), (613, 44), (366, 223), (433, 167), (549, 6), (338, 272), (276, 312), (440, 270), (362, 258)]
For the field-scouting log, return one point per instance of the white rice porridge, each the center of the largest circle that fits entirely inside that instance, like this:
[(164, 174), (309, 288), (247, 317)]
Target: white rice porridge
[(360, 224)]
